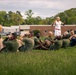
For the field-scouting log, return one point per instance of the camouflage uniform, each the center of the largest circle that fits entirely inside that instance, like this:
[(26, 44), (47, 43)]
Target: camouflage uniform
[(58, 44), (10, 45), (66, 43), (28, 44), (36, 40)]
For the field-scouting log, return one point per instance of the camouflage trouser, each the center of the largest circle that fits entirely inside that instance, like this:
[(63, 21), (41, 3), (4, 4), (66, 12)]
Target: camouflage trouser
[(52, 47), (21, 48), (4, 50)]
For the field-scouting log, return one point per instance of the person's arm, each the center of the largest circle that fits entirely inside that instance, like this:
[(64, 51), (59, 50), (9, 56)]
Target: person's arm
[(62, 23), (70, 37), (5, 40), (54, 23), (21, 38), (41, 41), (36, 41)]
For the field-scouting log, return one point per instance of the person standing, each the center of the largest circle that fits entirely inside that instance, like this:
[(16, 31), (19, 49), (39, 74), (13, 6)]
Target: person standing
[(57, 23)]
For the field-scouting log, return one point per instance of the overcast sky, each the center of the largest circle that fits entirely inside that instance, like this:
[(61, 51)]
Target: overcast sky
[(43, 8)]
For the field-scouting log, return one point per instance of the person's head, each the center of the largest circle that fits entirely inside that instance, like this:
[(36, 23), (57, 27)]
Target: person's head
[(58, 18), (68, 31), (25, 35), (72, 32), (58, 37), (66, 36), (50, 33), (65, 33), (12, 36), (38, 35), (31, 33)]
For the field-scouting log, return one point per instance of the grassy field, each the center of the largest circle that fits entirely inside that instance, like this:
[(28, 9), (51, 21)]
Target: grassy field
[(59, 62)]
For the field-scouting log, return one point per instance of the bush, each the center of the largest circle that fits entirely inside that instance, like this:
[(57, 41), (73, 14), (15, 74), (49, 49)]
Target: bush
[(36, 32)]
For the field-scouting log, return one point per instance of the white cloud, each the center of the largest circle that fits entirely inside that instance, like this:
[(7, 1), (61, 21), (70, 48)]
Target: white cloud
[(43, 8)]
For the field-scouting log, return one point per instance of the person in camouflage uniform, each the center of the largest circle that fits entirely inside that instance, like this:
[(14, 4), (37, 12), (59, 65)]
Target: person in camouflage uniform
[(28, 42), (57, 43), (38, 43), (48, 41), (66, 41), (10, 43)]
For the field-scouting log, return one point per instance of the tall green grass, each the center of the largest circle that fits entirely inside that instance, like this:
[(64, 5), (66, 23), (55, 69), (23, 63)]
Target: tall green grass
[(36, 62)]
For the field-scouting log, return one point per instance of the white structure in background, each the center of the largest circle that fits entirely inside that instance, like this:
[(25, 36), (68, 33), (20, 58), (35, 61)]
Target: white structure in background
[(6, 30), (11, 29), (15, 29), (24, 29)]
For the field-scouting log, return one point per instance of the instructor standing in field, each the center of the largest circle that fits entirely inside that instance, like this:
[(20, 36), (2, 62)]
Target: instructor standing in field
[(57, 23)]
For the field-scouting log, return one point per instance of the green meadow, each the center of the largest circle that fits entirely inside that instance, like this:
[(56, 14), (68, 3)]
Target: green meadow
[(39, 62)]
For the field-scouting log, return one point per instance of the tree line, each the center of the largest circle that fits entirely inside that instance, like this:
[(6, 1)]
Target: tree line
[(15, 18)]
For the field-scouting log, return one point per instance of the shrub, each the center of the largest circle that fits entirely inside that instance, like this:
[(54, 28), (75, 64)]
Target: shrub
[(36, 32)]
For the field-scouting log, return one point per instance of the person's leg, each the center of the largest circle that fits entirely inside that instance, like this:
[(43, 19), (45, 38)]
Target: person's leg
[(59, 32), (55, 33), (73, 42)]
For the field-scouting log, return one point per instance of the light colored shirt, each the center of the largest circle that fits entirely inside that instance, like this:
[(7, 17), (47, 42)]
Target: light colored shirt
[(58, 25)]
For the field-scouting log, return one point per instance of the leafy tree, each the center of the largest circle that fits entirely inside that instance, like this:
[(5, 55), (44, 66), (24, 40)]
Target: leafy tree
[(68, 16), (15, 18), (19, 13), (2, 17), (37, 20), (29, 15)]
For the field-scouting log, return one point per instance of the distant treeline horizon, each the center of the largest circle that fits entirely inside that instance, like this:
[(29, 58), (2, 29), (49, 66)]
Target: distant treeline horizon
[(15, 18)]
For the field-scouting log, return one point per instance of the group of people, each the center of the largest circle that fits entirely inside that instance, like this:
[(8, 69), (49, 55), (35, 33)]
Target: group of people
[(30, 42), (53, 41)]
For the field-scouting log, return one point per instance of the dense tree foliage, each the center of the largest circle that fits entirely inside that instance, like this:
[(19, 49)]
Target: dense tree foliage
[(68, 16), (10, 18), (16, 18)]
